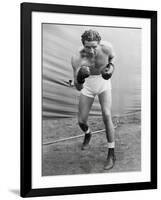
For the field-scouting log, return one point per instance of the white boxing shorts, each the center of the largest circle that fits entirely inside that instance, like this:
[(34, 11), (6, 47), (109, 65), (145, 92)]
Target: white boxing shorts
[(95, 85)]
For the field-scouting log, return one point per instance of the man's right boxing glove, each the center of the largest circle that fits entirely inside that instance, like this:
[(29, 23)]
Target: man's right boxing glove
[(83, 73)]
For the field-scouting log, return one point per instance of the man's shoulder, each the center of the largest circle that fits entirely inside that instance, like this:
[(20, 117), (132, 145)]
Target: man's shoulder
[(78, 53), (106, 47), (75, 59)]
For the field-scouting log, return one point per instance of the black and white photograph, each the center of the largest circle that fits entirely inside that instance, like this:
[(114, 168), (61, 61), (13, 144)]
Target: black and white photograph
[(88, 100), (91, 99)]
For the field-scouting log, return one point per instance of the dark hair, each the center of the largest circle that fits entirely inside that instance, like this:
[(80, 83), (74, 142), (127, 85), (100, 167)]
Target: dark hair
[(90, 35)]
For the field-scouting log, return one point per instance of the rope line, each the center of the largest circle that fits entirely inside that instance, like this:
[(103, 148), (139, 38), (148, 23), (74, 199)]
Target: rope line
[(73, 137), (70, 138)]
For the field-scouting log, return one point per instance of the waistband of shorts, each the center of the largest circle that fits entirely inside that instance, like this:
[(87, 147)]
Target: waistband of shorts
[(93, 76)]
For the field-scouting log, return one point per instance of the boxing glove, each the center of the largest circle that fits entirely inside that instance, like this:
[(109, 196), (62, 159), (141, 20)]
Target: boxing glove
[(107, 71), (83, 73)]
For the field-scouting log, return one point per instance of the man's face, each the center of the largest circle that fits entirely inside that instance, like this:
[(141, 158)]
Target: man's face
[(91, 47)]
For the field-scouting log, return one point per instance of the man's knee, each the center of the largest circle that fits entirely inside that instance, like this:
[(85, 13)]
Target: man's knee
[(83, 125), (82, 119)]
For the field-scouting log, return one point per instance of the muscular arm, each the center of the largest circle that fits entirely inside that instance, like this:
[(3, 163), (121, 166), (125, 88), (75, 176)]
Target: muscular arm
[(81, 71), (108, 49), (75, 66), (109, 69)]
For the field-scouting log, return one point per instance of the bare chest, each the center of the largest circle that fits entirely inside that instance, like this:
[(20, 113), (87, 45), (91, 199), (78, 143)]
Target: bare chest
[(95, 63), (101, 60)]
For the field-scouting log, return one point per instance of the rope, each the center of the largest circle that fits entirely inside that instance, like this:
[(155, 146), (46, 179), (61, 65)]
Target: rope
[(72, 137)]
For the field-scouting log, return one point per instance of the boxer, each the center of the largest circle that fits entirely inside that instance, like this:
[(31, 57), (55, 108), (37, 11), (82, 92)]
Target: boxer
[(92, 69)]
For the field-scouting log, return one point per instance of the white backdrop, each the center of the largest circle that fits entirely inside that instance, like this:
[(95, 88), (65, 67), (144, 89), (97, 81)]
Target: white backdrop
[(9, 102)]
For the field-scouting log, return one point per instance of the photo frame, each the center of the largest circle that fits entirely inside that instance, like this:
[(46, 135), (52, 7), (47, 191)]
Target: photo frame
[(33, 16)]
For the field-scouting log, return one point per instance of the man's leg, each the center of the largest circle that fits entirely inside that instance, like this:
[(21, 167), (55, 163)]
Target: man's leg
[(85, 104), (105, 99)]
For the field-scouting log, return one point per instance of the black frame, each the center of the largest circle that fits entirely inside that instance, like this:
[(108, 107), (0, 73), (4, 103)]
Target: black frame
[(26, 104)]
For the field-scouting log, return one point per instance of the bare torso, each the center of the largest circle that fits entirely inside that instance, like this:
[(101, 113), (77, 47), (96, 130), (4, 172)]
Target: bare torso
[(95, 63)]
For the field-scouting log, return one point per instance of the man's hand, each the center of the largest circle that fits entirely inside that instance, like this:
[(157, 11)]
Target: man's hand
[(83, 73), (107, 71)]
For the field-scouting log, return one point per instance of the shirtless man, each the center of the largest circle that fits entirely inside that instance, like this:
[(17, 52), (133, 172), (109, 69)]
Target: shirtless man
[(93, 67)]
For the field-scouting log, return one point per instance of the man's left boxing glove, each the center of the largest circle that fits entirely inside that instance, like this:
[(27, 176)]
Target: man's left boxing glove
[(107, 71), (83, 73)]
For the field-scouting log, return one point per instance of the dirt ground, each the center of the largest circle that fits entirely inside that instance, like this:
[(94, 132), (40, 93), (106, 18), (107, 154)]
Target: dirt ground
[(66, 157)]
